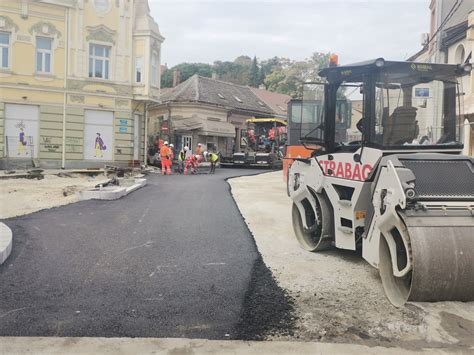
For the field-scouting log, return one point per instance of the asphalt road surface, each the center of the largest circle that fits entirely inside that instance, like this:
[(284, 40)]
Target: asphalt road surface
[(173, 259)]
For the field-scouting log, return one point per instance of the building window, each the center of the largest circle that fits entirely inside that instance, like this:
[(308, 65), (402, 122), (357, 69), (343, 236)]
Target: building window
[(5, 49), (138, 69), (99, 61), (422, 92), (459, 55), (102, 5), (44, 47), (154, 69)]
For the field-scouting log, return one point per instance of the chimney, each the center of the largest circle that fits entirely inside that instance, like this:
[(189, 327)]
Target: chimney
[(176, 77)]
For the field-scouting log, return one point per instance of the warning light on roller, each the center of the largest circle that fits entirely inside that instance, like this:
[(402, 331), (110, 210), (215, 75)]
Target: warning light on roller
[(333, 60)]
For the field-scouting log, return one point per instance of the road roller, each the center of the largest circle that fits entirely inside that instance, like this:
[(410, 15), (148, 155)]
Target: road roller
[(402, 190)]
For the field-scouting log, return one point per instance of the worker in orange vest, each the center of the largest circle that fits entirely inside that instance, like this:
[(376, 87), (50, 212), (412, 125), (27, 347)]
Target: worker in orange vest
[(165, 159)]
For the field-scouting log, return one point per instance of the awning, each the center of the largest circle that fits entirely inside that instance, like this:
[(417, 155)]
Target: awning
[(204, 127), (186, 124)]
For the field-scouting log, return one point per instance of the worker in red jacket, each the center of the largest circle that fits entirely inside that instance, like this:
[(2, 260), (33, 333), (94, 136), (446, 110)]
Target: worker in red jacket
[(165, 153), (193, 163)]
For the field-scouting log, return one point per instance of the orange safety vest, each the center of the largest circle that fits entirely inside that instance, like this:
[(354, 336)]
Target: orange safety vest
[(164, 151)]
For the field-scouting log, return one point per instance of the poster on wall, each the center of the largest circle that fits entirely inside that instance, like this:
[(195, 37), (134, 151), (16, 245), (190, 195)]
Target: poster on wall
[(98, 135), (21, 131)]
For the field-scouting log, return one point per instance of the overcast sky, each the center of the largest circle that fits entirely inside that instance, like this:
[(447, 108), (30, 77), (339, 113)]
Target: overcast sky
[(209, 30)]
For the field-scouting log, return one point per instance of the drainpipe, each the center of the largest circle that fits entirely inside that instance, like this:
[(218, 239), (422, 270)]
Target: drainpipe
[(66, 60), (145, 153), (468, 144), (168, 106)]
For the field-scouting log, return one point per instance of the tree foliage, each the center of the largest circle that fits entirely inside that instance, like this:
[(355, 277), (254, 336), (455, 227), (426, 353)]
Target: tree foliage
[(236, 72), (254, 75), (278, 74), (186, 70), (288, 76)]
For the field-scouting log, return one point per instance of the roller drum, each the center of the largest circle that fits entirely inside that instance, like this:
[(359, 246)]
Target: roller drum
[(443, 262)]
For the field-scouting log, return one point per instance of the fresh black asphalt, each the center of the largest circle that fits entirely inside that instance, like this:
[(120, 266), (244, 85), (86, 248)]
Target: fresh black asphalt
[(173, 259)]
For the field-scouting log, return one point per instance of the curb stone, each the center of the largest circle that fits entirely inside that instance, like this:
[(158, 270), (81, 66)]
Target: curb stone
[(110, 192), (6, 241)]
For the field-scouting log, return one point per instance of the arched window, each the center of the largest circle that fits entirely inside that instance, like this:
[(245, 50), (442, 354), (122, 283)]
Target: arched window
[(460, 55)]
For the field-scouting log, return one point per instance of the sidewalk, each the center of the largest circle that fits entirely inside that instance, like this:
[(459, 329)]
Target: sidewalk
[(32, 345)]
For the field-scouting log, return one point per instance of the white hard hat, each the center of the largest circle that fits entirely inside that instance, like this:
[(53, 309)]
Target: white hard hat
[(166, 143), (171, 145), (199, 144), (186, 148)]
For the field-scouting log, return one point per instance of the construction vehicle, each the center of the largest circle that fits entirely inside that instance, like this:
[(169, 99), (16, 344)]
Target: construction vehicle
[(302, 113), (261, 145), (403, 192)]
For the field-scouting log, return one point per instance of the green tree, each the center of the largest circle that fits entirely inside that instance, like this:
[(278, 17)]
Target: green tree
[(277, 74), (287, 76), (254, 73), (186, 70), (320, 60), (233, 72), (243, 60), (261, 76)]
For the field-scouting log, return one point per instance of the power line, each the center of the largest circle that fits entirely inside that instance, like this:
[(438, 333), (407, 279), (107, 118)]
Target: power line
[(450, 14)]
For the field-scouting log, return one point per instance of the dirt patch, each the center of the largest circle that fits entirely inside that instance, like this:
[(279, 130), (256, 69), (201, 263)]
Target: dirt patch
[(458, 327), (23, 196), (338, 296)]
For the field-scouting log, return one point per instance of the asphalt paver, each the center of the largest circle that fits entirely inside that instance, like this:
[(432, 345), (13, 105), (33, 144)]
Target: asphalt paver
[(173, 259)]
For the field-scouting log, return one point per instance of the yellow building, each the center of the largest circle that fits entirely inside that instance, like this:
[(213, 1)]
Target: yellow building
[(76, 77)]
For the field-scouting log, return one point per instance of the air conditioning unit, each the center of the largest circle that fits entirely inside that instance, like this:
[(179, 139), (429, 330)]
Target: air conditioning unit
[(424, 38)]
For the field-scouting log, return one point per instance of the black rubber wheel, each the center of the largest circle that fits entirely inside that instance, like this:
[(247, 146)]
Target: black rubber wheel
[(320, 235)]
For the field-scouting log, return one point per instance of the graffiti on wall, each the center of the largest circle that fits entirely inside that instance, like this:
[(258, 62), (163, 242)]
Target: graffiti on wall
[(100, 146), (48, 144), (20, 144), (98, 135), (21, 130)]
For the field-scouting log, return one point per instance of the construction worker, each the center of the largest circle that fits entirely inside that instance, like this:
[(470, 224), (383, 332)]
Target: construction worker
[(213, 158), (199, 149), (193, 163), (165, 159), (182, 159), (171, 150)]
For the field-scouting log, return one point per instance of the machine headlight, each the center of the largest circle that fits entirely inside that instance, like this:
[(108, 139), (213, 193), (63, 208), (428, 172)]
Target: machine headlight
[(379, 63), (467, 67), (410, 193)]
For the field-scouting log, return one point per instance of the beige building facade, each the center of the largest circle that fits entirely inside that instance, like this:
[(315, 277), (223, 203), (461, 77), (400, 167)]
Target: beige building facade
[(211, 112), (451, 41), (76, 77)]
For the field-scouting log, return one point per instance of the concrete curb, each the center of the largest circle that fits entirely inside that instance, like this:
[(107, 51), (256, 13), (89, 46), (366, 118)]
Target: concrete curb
[(55, 345), (110, 192), (6, 242)]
